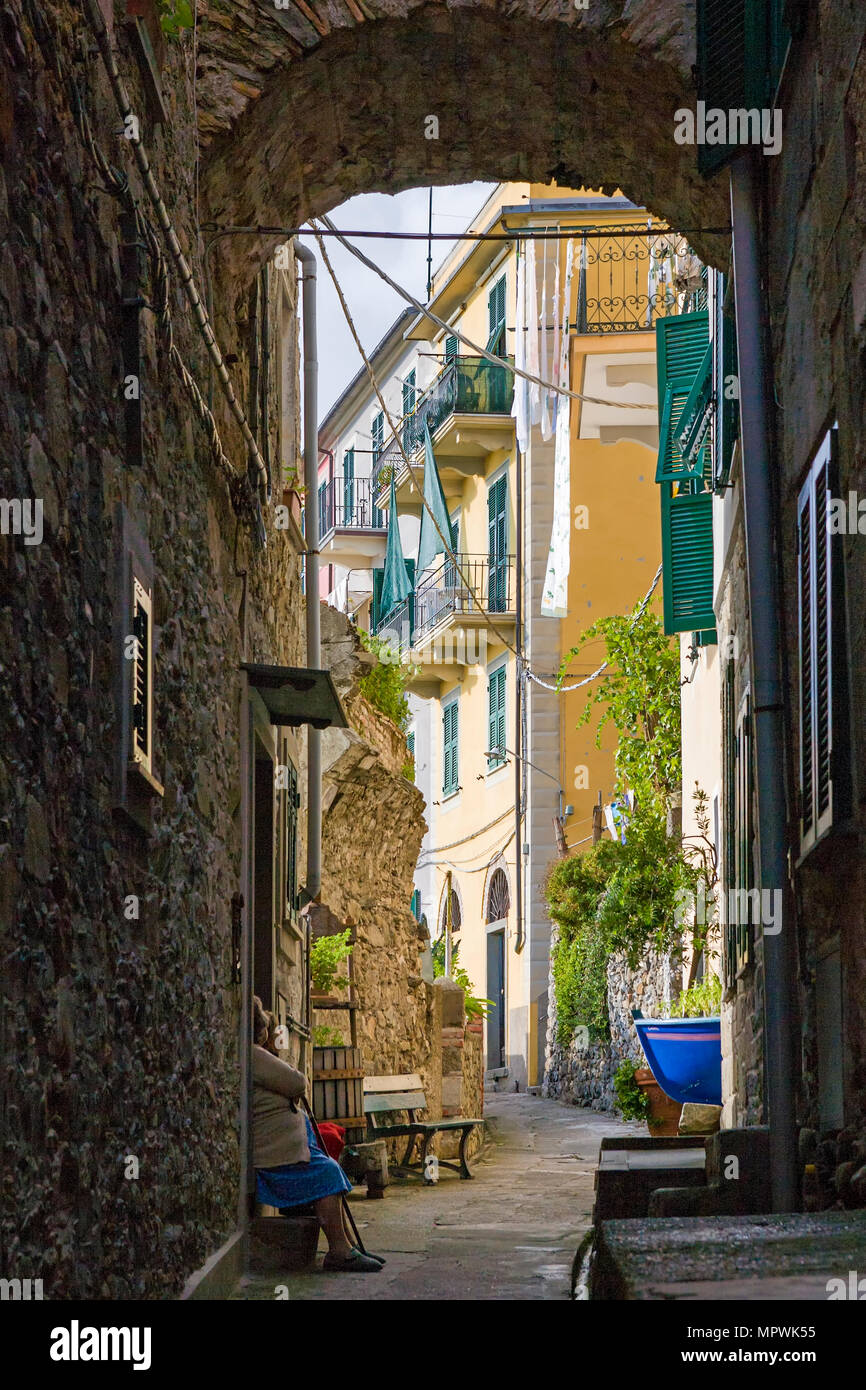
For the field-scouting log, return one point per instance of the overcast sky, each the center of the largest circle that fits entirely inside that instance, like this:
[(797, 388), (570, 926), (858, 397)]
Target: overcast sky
[(373, 305)]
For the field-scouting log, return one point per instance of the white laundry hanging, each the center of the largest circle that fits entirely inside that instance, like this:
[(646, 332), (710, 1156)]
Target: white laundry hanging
[(532, 333), (546, 426), (554, 597), (520, 406)]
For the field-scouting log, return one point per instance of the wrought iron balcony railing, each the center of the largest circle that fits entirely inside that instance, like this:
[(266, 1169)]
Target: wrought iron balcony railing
[(349, 504), (465, 386), (460, 587), (630, 277)]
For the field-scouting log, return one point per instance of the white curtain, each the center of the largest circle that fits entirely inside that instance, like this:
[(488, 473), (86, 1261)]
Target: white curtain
[(554, 598)]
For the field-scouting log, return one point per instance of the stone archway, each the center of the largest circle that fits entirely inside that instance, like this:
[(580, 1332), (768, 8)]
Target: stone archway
[(292, 126)]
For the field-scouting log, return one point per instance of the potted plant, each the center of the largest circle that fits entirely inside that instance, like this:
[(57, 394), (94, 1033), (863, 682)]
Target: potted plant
[(327, 954), (640, 1097), (293, 495)]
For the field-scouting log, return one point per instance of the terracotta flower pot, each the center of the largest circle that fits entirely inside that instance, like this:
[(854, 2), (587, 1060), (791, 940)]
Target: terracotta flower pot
[(664, 1113)]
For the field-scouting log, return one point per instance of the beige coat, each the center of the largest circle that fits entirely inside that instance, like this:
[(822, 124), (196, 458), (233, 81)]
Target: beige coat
[(279, 1132)]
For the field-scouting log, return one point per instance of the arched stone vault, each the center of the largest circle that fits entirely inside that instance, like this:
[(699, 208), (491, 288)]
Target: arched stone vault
[(293, 122)]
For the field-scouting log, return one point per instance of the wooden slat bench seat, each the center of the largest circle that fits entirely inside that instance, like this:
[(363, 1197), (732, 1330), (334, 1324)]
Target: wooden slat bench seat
[(390, 1095)]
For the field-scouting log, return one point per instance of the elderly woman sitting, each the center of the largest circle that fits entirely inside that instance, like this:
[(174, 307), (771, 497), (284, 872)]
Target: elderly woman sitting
[(291, 1168)]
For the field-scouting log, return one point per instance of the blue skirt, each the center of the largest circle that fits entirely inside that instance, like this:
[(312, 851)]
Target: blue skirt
[(296, 1184)]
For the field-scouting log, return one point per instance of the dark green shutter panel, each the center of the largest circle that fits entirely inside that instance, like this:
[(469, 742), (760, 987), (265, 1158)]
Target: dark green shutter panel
[(687, 559), (496, 318), (450, 348), (375, 610), (694, 423), (497, 545), (409, 394), (740, 50), (450, 771), (822, 645), (349, 488), (726, 382), (293, 802), (496, 715), (682, 343)]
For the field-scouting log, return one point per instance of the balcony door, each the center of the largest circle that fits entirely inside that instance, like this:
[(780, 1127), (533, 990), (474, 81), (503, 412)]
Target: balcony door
[(497, 545), (349, 488)]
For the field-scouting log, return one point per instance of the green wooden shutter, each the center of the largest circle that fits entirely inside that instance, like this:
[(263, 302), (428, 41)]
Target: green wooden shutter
[(741, 48), (687, 559), (450, 766), (496, 318), (496, 715), (725, 385), (376, 606), (378, 434), (409, 395), (497, 545), (349, 488), (451, 347), (691, 431), (293, 802)]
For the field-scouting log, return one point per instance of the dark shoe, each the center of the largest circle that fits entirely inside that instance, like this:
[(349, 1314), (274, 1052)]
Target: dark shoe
[(356, 1263), (380, 1259)]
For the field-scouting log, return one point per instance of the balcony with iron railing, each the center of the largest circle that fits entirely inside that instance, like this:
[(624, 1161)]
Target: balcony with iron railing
[(352, 527), (442, 625), (631, 276), (469, 391)]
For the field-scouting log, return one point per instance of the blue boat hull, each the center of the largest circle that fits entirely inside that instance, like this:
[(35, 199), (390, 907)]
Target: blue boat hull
[(685, 1056)]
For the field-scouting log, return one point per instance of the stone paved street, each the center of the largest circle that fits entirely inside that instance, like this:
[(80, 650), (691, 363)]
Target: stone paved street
[(511, 1233)]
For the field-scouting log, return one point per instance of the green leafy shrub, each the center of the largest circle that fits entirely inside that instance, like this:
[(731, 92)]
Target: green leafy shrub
[(174, 17), (632, 1101), (575, 888), (327, 954), (327, 1037), (476, 1007), (385, 685), (703, 1000)]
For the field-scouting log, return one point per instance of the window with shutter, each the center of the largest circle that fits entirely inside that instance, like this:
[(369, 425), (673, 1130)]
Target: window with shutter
[(377, 433), (686, 500), (824, 784), (142, 679), (741, 46), (497, 545), (409, 394), (496, 717), (726, 390), (293, 803), (738, 877), (451, 347), (496, 318), (450, 762), (349, 488)]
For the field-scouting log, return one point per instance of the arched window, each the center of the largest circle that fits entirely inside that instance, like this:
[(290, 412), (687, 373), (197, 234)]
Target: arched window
[(456, 912), (498, 896)]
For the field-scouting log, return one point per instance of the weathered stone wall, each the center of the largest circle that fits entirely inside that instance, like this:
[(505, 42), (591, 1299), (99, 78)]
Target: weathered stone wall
[(120, 1035), (372, 831), (582, 1073)]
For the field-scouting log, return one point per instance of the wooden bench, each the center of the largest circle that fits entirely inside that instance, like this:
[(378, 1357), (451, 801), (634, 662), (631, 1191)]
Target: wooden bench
[(389, 1095)]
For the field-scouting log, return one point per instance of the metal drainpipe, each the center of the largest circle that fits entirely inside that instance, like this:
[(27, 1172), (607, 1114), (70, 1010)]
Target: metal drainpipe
[(311, 560), (762, 540), (518, 704)]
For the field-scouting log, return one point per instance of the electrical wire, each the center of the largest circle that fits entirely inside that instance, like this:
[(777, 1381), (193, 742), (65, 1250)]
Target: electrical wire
[(409, 465), (560, 689), (130, 123), (467, 342)]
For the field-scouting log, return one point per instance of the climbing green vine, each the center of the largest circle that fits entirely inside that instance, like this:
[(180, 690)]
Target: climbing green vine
[(625, 897), (385, 685)]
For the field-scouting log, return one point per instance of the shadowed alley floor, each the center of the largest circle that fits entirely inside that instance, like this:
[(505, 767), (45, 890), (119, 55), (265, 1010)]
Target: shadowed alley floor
[(510, 1233)]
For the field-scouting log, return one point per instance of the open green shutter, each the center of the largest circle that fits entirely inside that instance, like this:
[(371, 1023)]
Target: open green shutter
[(726, 386), (741, 48), (694, 422), (682, 360), (376, 608), (687, 559)]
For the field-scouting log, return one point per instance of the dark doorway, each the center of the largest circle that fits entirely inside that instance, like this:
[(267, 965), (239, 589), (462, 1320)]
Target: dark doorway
[(263, 878), (496, 992)]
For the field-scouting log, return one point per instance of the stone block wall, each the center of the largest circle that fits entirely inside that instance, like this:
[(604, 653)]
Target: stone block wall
[(582, 1074), (120, 1020)]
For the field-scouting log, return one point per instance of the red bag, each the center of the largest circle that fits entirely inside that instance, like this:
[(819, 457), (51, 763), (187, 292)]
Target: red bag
[(333, 1138)]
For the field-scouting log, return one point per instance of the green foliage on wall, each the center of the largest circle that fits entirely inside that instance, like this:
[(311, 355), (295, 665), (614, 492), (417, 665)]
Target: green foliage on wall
[(327, 954), (385, 685), (703, 1000), (476, 1007)]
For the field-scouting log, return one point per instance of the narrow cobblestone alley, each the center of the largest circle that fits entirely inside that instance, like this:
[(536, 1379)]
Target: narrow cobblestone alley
[(510, 1233)]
